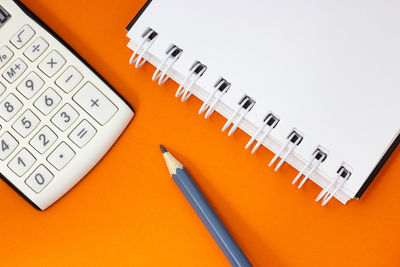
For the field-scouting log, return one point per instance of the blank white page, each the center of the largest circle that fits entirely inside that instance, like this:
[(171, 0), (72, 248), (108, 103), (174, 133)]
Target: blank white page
[(329, 68)]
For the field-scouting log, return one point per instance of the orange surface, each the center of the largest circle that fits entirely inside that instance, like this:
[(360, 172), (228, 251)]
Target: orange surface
[(128, 211)]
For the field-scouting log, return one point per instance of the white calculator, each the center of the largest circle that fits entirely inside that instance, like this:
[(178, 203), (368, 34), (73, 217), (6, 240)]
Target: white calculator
[(58, 117)]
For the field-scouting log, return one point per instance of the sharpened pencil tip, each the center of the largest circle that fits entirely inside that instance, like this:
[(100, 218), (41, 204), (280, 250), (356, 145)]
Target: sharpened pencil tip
[(163, 150)]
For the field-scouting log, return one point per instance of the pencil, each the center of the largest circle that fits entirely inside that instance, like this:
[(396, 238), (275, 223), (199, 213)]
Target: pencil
[(204, 210)]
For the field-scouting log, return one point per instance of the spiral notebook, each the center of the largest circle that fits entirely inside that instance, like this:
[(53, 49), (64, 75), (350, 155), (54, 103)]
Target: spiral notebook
[(315, 82)]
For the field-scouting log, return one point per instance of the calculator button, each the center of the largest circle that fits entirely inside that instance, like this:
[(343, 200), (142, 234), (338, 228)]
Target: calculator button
[(30, 85), (5, 55), (9, 107), (82, 134), (7, 145), (47, 101), (44, 139), (61, 156), (65, 117), (38, 180), (2, 88), (22, 36), (95, 103), (36, 49), (52, 63), (69, 79), (15, 70), (22, 162), (26, 123)]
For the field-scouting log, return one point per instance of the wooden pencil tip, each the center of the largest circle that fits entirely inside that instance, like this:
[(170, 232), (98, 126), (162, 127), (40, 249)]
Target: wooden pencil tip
[(163, 150), (172, 163)]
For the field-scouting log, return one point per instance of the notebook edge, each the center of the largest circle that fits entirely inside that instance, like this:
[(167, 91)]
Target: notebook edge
[(137, 16), (378, 166)]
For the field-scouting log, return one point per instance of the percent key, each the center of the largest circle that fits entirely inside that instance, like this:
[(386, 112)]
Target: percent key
[(5, 55)]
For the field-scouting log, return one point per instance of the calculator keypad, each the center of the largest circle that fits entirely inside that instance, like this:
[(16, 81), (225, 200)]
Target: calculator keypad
[(49, 109)]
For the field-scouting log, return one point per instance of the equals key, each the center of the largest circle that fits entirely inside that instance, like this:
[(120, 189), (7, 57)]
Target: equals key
[(82, 133)]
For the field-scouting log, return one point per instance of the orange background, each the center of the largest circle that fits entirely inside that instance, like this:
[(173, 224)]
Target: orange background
[(128, 211)]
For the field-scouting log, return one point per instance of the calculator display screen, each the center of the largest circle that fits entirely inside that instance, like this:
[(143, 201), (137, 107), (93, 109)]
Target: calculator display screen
[(4, 16)]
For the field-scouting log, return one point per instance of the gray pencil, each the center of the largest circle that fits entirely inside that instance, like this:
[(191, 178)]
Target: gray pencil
[(203, 209)]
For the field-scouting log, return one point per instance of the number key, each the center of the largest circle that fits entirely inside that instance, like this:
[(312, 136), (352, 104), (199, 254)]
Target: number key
[(30, 85), (7, 145), (26, 123), (9, 107), (47, 101), (39, 179), (65, 117), (43, 140), (22, 162)]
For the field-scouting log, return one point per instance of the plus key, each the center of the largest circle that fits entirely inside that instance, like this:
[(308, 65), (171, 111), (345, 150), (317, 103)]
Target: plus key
[(95, 103)]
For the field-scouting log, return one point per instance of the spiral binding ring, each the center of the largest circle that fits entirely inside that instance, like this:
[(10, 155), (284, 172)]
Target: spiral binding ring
[(196, 70), (149, 36), (344, 173), (295, 137), (245, 103), (222, 86), (173, 52), (271, 121), (320, 154)]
